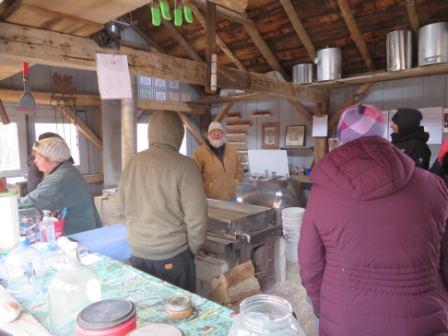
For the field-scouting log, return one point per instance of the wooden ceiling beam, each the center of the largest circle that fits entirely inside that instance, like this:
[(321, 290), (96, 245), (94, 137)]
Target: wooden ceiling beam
[(197, 13), (299, 28), (57, 49), (355, 33), (233, 99), (147, 39), (44, 98), (161, 105), (414, 21)]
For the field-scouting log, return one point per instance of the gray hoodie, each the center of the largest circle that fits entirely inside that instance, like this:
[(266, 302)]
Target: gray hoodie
[(161, 194)]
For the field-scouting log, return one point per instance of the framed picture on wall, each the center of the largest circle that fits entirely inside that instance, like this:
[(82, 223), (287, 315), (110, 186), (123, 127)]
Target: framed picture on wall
[(295, 136), (269, 135)]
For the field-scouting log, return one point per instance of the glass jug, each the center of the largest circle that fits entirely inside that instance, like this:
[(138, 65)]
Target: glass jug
[(265, 315), (71, 289)]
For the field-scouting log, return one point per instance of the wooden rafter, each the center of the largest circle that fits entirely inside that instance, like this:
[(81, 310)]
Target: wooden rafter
[(191, 128), (182, 41), (157, 105), (44, 98), (355, 33), (411, 8), (9, 8), (147, 39), (52, 48), (261, 44), (299, 28), (225, 13), (238, 6), (233, 99), (219, 41), (224, 110)]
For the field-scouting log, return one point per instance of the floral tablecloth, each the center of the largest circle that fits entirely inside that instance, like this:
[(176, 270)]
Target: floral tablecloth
[(119, 280)]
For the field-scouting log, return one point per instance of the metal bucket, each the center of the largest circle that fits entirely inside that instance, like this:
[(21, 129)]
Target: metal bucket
[(302, 73), (433, 44), (329, 64), (399, 50)]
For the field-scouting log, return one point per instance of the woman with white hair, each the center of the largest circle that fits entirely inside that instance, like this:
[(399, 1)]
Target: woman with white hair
[(62, 187)]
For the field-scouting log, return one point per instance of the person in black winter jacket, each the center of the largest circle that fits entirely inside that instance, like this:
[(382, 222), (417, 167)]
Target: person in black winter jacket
[(410, 137), (440, 166)]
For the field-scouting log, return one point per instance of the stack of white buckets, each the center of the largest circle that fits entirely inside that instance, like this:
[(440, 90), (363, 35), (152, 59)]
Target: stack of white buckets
[(291, 223)]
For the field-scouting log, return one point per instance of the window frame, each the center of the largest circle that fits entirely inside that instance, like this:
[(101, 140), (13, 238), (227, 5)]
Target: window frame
[(20, 121)]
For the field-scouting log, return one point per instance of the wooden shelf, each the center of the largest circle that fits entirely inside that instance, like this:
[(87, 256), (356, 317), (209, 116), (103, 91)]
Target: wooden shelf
[(236, 134), (241, 142), (233, 116), (262, 114), (239, 124)]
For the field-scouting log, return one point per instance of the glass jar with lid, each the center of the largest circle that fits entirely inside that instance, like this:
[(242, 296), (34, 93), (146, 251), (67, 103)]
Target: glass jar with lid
[(265, 315)]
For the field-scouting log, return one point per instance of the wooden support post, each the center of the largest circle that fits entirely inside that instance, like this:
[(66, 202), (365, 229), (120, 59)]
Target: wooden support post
[(3, 115), (320, 143), (82, 127), (210, 49), (191, 128), (224, 110)]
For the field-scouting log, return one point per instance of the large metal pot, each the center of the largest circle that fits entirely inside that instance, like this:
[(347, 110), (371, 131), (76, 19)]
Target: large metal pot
[(399, 50), (329, 64), (302, 73), (433, 44)]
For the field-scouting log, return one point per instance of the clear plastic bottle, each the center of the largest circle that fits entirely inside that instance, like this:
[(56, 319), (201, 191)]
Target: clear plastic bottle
[(21, 264), (72, 288), (47, 233), (265, 315)]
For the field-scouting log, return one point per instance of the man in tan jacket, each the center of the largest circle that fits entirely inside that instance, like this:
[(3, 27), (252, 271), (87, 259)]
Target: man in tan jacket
[(220, 164), (163, 201)]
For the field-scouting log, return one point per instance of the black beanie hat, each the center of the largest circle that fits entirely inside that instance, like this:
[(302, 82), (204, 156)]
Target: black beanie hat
[(407, 119)]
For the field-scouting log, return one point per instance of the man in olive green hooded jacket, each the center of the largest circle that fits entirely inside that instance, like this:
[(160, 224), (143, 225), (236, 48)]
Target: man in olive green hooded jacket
[(163, 201)]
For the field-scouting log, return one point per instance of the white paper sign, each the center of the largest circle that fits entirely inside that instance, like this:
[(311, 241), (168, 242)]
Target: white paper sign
[(268, 160), (113, 76), (320, 126)]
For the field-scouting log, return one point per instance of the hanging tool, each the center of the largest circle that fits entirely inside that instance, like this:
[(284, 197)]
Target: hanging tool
[(155, 13), (165, 7), (27, 103), (177, 14), (3, 115), (188, 14)]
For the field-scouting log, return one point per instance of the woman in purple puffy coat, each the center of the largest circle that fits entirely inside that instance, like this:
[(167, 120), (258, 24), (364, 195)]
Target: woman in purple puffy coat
[(373, 251)]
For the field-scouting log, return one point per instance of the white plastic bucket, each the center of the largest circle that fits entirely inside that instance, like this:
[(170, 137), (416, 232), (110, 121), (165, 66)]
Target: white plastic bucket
[(291, 250), (292, 212)]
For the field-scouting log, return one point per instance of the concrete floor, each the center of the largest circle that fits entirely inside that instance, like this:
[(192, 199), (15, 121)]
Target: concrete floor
[(295, 293)]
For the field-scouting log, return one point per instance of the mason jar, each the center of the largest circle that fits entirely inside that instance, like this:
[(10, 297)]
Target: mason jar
[(265, 315)]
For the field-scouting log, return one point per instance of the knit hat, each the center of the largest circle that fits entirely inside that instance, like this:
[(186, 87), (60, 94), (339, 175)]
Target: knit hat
[(54, 149), (407, 119), (214, 125), (359, 121)]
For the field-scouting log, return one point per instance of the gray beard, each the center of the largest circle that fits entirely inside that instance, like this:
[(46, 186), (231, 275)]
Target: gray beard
[(216, 143)]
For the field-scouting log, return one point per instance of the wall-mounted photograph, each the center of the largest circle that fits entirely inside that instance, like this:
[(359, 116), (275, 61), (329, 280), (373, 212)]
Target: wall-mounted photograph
[(269, 135), (295, 136)]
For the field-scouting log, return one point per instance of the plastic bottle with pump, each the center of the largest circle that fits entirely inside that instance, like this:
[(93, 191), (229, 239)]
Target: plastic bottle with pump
[(47, 233), (72, 288)]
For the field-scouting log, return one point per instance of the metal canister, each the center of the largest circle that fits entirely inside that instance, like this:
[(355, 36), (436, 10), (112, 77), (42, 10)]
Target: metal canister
[(399, 50), (302, 73), (433, 44), (329, 64)]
